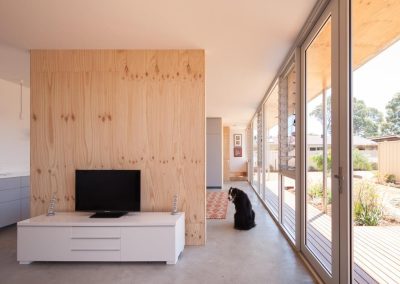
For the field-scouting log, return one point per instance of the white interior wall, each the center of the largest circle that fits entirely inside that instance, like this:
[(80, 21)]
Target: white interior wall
[(15, 64), (238, 164), (14, 130), (14, 142)]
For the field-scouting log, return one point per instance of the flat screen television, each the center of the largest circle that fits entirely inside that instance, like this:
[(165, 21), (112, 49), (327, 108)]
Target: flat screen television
[(109, 193)]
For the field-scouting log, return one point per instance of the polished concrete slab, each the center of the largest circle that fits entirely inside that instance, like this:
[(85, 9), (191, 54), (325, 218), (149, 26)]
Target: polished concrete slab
[(261, 255)]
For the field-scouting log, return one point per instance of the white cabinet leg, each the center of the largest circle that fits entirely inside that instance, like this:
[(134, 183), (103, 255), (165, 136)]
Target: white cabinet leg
[(171, 262)]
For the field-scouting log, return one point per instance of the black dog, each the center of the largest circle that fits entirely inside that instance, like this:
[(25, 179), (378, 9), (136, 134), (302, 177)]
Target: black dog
[(244, 216)]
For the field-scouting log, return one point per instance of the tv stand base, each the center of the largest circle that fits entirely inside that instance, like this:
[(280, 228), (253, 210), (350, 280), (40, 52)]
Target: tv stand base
[(108, 214)]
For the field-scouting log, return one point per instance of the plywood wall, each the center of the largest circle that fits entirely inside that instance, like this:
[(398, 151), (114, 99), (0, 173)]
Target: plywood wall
[(120, 109)]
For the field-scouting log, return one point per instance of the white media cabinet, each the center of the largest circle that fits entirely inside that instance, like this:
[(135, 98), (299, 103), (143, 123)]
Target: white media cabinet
[(73, 236)]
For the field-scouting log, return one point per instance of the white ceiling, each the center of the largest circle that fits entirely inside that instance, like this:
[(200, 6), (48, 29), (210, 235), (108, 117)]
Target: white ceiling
[(245, 41)]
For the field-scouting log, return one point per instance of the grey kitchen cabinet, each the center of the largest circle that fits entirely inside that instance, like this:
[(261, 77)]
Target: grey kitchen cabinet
[(14, 199)]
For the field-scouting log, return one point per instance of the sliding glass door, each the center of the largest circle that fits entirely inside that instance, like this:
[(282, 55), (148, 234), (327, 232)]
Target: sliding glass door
[(351, 144), (256, 176), (260, 153), (341, 146), (279, 151), (287, 149), (321, 149), (271, 158), (375, 178)]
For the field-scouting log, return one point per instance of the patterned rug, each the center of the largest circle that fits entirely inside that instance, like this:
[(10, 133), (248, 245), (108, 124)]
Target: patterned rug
[(217, 204)]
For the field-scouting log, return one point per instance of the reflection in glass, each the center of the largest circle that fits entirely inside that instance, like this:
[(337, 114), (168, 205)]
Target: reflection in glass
[(376, 141), (255, 179), (287, 144), (318, 146), (271, 159)]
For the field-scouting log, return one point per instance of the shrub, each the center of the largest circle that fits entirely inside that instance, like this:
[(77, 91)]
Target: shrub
[(374, 166), (390, 178), (311, 169), (315, 190), (367, 207), (319, 161), (360, 162)]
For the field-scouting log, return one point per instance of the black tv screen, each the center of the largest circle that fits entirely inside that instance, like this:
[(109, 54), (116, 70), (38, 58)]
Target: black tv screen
[(107, 190)]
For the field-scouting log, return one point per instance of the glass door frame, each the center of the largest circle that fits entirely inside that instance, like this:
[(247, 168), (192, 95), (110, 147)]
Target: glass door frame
[(342, 259), (260, 150), (263, 143), (293, 64), (275, 215), (330, 11), (344, 77)]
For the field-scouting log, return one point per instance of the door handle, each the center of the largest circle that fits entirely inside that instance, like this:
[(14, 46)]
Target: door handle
[(340, 178)]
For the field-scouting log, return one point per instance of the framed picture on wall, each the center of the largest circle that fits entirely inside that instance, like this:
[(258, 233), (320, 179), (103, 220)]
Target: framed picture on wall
[(237, 151), (237, 140)]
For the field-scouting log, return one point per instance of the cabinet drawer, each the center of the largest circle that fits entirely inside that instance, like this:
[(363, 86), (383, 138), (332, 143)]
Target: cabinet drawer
[(25, 192), (95, 232), (9, 195), (25, 181), (9, 212), (112, 244), (43, 243), (147, 243), (9, 183)]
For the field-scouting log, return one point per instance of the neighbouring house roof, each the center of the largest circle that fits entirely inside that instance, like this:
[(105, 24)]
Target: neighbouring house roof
[(361, 141), (357, 141), (386, 138), (316, 140)]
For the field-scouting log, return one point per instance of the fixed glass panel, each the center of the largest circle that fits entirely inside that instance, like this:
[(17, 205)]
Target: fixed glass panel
[(289, 205), (287, 150), (260, 153), (255, 180), (376, 141), (318, 227), (249, 153), (271, 151)]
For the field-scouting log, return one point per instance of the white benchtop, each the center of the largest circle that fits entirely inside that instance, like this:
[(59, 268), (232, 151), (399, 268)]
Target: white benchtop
[(137, 219), (12, 174)]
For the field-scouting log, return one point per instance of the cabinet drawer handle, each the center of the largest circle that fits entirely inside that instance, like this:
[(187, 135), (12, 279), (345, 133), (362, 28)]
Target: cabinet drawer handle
[(95, 238), (95, 250)]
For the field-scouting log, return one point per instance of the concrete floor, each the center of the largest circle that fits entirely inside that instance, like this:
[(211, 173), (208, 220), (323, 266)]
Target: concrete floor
[(261, 255)]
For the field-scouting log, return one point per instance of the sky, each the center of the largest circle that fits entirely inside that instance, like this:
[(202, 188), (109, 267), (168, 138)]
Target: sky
[(375, 83), (379, 79)]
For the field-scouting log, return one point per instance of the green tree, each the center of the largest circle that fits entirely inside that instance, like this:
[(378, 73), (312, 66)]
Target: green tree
[(317, 112), (392, 124), (367, 121)]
